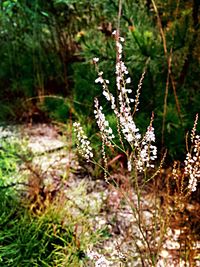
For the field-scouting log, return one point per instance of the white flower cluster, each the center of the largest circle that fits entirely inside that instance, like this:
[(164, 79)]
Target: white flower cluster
[(110, 98), (121, 71), (147, 151), (144, 150), (83, 144), (101, 80), (192, 164), (106, 132), (95, 60), (104, 83), (100, 260), (128, 127)]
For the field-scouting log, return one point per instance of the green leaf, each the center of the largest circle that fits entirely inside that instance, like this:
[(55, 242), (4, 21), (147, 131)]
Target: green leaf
[(44, 14)]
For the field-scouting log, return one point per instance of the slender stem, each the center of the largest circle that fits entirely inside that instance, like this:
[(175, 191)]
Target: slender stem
[(167, 57), (119, 16)]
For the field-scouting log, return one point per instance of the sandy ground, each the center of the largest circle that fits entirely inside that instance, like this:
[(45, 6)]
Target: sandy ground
[(54, 159)]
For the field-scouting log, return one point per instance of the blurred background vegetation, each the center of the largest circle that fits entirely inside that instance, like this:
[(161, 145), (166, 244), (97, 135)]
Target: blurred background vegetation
[(46, 71)]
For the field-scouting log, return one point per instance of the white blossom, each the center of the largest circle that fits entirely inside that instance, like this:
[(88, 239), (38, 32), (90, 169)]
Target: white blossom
[(192, 164), (110, 98), (114, 32), (128, 126), (99, 80), (83, 144), (150, 135), (147, 151), (128, 80), (95, 59), (105, 130)]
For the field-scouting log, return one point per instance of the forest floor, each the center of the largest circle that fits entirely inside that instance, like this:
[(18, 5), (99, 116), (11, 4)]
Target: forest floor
[(55, 161)]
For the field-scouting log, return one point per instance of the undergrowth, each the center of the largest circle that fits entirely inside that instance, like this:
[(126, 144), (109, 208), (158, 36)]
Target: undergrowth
[(42, 225)]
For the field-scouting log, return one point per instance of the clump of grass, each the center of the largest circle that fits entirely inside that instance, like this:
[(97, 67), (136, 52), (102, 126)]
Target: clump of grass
[(60, 236), (38, 226)]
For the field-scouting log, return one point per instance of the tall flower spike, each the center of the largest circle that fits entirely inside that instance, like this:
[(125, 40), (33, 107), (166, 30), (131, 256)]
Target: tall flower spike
[(147, 151), (128, 127), (83, 144), (109, 97), (138, 92), (194, 129), (192, 164), (105, 130), (121, 72)]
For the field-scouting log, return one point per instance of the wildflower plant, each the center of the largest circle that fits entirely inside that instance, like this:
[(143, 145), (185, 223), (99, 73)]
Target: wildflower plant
[(140, 150), (181, 183), (192, 161), (83, 144), (143, 149), (187, 177)]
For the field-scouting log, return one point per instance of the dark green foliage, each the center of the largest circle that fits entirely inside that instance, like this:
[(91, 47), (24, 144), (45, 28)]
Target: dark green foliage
[(58, 108), (47, 47), (85, 89)]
